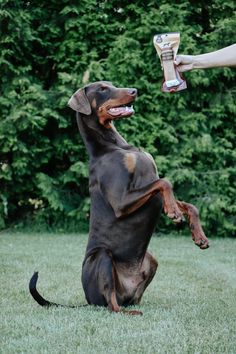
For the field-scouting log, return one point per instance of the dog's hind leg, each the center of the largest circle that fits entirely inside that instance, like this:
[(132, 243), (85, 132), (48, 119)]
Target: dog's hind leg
[(148, 269), (99, 283), (98, 280)]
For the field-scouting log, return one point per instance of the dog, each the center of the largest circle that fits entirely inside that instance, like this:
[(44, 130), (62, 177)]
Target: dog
[(127, 198)]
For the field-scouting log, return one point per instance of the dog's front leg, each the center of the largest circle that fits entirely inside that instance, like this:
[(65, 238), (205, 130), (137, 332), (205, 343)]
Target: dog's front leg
[(198, 234), (126, 202)]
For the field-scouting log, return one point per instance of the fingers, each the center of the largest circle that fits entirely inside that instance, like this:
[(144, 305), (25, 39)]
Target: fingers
[(184, 62), (182, 68), (178, 60)]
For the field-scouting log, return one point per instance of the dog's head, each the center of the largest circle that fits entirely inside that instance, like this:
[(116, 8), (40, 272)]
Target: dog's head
[(104, 100)]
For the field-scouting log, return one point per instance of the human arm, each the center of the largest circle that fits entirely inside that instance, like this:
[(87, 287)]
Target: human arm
[(220, 58)]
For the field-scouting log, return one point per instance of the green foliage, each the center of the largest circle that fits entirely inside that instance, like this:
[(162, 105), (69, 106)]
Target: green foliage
[(50, 49)]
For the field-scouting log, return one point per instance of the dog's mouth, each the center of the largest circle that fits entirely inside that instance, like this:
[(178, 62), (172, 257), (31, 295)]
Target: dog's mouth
[(125, 110), (114, 111)]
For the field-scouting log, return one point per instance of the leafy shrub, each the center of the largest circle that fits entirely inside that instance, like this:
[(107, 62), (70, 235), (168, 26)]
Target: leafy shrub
[(48, 50)]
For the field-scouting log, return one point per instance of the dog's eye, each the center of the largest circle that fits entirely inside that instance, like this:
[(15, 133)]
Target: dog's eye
[(103, 88)]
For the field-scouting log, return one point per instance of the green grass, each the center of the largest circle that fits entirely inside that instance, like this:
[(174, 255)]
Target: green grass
[(190, 306)]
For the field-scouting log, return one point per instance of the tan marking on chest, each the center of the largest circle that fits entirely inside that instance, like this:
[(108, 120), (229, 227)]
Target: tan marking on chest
[(130, 161)]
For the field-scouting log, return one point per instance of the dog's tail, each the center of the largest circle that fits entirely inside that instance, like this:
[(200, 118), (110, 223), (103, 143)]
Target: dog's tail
[(39, 299)]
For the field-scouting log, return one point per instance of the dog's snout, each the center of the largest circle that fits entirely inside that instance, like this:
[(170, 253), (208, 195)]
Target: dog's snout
[(132, 91)]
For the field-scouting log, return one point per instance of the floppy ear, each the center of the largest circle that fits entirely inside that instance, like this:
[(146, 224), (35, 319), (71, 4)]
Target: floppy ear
[(80, 103)]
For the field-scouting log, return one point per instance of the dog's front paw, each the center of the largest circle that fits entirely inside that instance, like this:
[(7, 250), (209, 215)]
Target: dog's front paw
[(174, 213), (200, 239)]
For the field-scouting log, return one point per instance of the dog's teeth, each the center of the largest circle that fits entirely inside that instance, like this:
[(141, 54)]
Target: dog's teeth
[(121, 110)]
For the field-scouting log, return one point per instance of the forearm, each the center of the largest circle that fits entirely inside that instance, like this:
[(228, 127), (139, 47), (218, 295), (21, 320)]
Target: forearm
[(219, 58)]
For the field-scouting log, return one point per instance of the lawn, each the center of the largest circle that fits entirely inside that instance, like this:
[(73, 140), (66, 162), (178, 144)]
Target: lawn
[(190, 306)]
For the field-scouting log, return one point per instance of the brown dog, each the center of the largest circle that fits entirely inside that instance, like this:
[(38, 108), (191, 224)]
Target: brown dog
[(127, 197)]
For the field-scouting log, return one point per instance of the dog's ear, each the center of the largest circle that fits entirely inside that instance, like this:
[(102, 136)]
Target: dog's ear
[(80, 103)]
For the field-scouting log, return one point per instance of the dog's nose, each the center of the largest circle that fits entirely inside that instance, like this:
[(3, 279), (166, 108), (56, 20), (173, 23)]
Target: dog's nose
[(132, 91)]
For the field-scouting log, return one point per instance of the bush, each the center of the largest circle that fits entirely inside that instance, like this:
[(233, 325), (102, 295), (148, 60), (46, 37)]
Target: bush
[(51, 49)]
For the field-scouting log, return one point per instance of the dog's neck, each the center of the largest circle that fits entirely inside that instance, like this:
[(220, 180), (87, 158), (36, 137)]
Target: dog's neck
[(98, 139)]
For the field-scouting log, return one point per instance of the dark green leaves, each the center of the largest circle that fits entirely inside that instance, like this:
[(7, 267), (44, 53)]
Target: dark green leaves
[(50, 49)]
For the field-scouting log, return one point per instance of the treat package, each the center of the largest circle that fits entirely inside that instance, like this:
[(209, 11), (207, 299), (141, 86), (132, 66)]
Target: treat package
[(167, 45)]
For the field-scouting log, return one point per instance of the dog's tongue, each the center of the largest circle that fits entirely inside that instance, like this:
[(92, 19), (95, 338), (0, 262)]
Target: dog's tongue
[(121, 111)]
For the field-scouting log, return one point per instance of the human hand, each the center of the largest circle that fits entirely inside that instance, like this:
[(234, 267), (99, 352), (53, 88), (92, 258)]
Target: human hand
[(184, 62)]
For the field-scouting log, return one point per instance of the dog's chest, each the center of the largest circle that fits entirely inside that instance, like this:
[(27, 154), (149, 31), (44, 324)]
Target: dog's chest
[(132, 169), (141, 165)]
